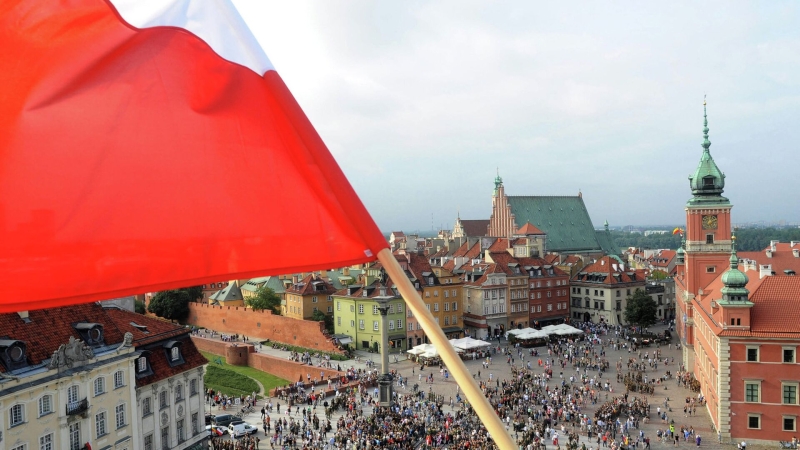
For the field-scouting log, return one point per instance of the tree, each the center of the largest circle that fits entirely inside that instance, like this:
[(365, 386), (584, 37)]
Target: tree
[(172, 305), (139, 307), (265, 298), (320, 316), (640, 309), (195, 292)]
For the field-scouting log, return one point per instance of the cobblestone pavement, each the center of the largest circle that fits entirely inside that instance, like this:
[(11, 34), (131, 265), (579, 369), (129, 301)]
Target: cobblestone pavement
[(499, 369)]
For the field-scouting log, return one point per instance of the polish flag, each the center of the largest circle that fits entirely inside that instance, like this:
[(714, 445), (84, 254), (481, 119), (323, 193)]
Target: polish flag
[(149, 145)]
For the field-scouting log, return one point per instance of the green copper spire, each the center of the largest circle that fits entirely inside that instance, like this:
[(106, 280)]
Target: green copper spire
[(497, 181), (707, 182), (734, 280)]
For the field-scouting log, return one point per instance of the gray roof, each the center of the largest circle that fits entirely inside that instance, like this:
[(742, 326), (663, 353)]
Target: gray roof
[(564, 218), (274, 283), (228, 293)]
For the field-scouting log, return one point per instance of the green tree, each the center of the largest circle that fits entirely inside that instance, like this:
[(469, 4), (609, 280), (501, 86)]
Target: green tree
[(265, 298), (195, 292), (658, 275), (640, 309), (139, 307), (320, 316), (172, 305)]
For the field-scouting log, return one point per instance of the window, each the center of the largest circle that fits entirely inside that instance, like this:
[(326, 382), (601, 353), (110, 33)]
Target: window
[(455, 306), (352, 308), (360, 324), (72, 394), (330, 309), (19, 447), (789, 423), (338, 306), (435, 307), (179, 430), (314, 299), (45, 405), (789, 393), (339, 321), (352, 323), (163, 401), (400, 309), (147, 407), (119, 377), (46, 442), (391, 309), (75, 436), (374, 309), (120, 412), (751, 391), (427, 294), (16, 415), (754, 421), (709, 239), (361, 309), (178, 392), (391, 324), (447, 306), (193, 386), (174, 354), (141, 364), (194, 423), (375, 325), (99, 386), (752, 354), (165, 438), (549, 306), (148, 442), (330, 299), (446, 293), (100, 424), (399, 324), (447, 320), (435, 293), (788, 355)]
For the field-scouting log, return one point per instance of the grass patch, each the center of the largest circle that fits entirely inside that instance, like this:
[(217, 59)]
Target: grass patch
[(268, 380), (311, 351), (229, 382)]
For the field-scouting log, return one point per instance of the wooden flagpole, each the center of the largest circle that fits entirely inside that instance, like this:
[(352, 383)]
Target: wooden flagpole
[(447, 352)]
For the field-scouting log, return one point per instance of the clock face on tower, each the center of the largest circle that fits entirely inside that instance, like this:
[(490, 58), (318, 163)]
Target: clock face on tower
[(709, 222)]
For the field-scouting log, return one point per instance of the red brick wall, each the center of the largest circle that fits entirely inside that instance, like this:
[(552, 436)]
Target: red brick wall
[(280, 367), (261, 325)]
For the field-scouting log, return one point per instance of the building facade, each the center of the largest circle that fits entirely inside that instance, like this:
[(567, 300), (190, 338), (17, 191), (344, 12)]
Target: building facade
[(307, 296), (738, 324), (600, 290), (356, 316)]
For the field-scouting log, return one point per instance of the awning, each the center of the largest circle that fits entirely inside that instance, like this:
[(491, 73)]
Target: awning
[(452, 330), (395, 337), (343, 338)]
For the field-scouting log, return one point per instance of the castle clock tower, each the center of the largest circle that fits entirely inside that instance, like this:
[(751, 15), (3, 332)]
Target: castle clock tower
[(708, 237)]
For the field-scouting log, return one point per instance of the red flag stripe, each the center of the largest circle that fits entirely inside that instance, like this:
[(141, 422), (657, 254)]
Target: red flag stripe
[(139, 160)]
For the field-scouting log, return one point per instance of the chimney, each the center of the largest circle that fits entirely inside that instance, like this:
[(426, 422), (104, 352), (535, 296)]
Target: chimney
[(796, 252), (294, 279), (769, 253), (24, 316), (793, 243), (773, 245)]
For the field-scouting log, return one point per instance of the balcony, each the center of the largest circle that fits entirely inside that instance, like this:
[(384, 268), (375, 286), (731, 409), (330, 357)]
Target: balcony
[(79, 407)]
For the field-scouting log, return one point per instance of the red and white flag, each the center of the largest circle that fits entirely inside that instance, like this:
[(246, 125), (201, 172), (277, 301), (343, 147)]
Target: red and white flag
[(150, 144)]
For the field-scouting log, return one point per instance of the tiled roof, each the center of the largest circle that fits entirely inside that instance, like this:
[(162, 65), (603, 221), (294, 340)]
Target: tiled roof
[(499, 245), (607, 270), (564, 218), (606, 242), (777, 305), (273, 282), (49, 328), (158, 332), (529, 229), (311, 285), (229, 293), (782, 258), (474, 228)]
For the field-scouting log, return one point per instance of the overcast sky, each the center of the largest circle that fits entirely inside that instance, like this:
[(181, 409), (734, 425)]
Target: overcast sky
[(420, 102)]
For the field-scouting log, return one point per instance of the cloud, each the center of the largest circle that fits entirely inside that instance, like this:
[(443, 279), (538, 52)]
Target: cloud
[(430, 98)]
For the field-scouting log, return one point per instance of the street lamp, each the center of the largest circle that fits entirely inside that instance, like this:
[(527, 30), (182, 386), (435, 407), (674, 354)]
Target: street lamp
[(385, 380)]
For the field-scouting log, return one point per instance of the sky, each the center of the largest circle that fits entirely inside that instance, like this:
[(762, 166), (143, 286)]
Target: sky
[(421, 103)]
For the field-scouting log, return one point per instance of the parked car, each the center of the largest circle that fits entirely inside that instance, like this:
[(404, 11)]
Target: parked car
[(241, 429), (222, 420)]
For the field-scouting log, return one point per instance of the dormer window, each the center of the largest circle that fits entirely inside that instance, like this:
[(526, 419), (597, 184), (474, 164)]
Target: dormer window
[(142, 328), (174, 354), (708, 181), (13, 354), (143, 367), (91, 333)]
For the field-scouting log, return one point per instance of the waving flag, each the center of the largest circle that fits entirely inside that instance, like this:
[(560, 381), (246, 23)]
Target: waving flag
[(150, 144)]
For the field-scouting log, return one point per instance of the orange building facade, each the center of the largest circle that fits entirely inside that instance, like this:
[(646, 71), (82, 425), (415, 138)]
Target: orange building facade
[(740, 329)]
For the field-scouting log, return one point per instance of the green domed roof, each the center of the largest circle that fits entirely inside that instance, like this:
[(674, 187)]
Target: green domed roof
[(734, 280), (707, 182)]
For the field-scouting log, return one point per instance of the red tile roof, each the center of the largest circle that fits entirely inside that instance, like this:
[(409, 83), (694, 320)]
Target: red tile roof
[(49, 328), (499, 245), (474, 228), (308, 286), (615, 273), (777, 305), (529, 229), (782, 258)]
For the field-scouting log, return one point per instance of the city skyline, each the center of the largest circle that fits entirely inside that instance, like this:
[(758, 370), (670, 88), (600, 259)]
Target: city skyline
[(431, 99)]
